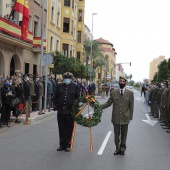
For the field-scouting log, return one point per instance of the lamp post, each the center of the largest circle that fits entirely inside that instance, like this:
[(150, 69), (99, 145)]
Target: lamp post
[(91, 43)]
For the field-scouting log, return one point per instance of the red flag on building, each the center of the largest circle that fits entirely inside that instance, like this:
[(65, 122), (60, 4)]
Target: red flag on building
[(22, 7)]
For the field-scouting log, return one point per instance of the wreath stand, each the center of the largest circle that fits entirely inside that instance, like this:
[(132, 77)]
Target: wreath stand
[(89, 101)]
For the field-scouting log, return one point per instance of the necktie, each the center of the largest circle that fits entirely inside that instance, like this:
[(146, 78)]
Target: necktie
[(121, 93)]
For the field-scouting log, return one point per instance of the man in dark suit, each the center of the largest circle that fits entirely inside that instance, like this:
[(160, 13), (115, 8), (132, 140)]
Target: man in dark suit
[(65, 95), (122, 112), (26, 87)]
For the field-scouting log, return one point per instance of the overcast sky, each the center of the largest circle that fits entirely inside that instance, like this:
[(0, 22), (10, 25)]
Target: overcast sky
[(138, 29)]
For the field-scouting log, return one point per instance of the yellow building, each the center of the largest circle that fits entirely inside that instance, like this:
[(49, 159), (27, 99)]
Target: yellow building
[(154, 66), (65, 27)]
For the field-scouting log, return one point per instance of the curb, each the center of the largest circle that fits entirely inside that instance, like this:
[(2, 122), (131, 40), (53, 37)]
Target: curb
[(35, 118)]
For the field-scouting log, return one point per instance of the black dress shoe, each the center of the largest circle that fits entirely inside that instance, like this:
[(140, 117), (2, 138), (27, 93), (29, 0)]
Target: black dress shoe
[(122, 152), (67, 149), (61, 148), (165, 127), (116, 152)]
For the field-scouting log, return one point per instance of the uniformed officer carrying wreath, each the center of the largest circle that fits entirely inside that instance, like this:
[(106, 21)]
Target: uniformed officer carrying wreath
[(65, 95), (123, 105)]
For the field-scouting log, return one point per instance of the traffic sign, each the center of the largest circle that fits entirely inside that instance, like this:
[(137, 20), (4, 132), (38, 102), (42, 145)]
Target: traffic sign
[(90, 73), (90, 69), (47, 59)]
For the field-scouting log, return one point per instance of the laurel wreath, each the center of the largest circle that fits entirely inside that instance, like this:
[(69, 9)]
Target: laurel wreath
[(87, 121)]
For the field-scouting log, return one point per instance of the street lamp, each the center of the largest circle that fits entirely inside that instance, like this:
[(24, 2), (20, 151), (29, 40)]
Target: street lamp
[(91, 43)]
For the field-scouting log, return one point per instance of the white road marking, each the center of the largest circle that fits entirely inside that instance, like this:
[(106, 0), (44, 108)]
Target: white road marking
[(150, 121), (104, 143)]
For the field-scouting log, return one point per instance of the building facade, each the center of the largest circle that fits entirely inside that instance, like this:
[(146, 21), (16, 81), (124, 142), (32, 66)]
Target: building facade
[(154, 66), (16, 53), (63, 31)]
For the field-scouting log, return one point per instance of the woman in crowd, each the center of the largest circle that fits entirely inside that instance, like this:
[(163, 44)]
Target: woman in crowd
[(7, 94)]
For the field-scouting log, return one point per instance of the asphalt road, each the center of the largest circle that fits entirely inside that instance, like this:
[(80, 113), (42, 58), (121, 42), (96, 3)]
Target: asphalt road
[(25, 147)]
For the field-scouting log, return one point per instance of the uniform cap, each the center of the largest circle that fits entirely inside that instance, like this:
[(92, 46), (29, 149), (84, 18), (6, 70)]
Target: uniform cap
[(17, 71), (122, 77), (67, 75)]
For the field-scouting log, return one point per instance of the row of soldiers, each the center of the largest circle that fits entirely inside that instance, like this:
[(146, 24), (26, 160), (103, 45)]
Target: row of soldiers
[(159, 101)]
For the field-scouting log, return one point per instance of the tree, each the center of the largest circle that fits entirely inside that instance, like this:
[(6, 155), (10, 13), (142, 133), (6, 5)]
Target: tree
[(97, 54), (63, 64), (162, 71)]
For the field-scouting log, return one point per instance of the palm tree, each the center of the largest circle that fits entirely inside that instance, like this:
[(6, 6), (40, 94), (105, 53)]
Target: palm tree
[(97, 55)]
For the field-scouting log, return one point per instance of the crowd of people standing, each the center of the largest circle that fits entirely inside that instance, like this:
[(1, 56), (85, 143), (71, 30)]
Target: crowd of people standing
[(157, 102), (32, 87)]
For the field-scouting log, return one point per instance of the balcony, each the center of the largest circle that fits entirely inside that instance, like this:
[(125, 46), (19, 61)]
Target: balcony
[(11, 33)]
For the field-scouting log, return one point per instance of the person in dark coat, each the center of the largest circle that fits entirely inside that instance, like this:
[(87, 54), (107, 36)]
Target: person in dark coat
[(65, 95), (26, 87), (7, 94), (36, 95), (122, 112)]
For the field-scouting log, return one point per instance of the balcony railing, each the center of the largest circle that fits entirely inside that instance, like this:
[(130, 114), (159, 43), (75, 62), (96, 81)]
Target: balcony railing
[(13, 30)]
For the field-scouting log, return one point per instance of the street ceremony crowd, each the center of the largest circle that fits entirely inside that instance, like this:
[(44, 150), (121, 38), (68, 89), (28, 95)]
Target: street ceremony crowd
[(22, 86), (157, 102)]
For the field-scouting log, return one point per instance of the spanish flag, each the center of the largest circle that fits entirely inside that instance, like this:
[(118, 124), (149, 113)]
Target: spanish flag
[(22, 7)]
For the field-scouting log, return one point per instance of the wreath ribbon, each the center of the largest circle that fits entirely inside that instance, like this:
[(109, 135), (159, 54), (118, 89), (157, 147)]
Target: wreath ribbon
[(74, 126)]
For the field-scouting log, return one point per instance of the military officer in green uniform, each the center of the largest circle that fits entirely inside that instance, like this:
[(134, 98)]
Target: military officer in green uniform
[(122, 112), (156, 97), (164, 103)]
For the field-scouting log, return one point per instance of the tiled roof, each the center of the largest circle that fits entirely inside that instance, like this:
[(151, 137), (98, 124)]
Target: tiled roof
[(103, 41)]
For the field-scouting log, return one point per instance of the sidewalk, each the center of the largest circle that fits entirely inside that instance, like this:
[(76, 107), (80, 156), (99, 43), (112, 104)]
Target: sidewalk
[(34, 116)]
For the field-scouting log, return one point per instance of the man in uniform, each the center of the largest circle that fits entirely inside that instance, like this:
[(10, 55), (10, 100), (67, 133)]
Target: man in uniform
[(122, 112), (156, 97), (65, 95), (164, 103), (151, 100)]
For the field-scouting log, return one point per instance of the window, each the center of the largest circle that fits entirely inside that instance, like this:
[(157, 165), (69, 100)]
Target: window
[(66, 25), (30, 23), (52, 13), (78, 56), (35, 29), (27, 65), (71, 51), (72, 26), (57, 45), (65, 50), (80, 16), (58, 17), (51, 44), (73, 4), (36, 21), (34, 69), (67, 3), (79, 37)]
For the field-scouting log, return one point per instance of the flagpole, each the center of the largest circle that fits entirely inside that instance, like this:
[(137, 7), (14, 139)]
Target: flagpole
[(11, 11), (42, 44)]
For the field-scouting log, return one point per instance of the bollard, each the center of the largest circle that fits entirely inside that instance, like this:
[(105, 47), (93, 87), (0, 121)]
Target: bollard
[(29, 106), (26, 115)]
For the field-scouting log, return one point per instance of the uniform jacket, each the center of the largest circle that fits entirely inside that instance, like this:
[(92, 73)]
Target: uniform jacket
[(65, 96), (41, 88), (26, 89), (32, 88), (122, 108)]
